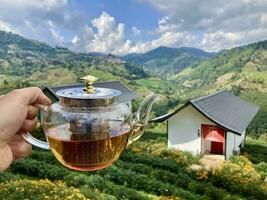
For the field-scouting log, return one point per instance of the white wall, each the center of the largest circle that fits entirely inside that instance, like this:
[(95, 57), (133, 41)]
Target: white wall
[(230, 144), (183, 130), (233, 142), (240, 140)]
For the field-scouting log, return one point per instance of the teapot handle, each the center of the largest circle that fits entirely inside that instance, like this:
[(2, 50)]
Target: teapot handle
[(32, 140)]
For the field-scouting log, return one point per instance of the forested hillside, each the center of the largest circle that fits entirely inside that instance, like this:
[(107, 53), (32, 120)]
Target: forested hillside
[(26, 62), (167, 61)]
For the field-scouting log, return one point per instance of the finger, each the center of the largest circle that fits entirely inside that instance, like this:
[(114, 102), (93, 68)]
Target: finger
[(16, 138), (32, 112), (29, 125), (30, 96), (20, 149)]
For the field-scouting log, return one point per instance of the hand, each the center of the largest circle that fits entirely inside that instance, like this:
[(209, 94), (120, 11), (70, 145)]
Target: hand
[(18, 115)]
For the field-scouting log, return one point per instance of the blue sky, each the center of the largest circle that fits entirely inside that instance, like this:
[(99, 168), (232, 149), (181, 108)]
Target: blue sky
[(136, 26), (130, 12)]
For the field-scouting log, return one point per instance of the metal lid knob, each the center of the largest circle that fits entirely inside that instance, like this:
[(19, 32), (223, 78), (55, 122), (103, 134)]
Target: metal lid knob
[(89, 80)]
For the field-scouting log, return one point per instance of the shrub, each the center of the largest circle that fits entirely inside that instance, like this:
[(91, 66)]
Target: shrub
[(76, 180), (39, 169), (238, 175), (88, 183), (239, 170), (208, 191), (144, 183), (41, 189), (202, 174), (179, 179), (7, 176), (197, 187), (180, 157), (155, 162), (262, 168), (96, 194), (136, 167), (167, 198), (46, 156), (263, 137)]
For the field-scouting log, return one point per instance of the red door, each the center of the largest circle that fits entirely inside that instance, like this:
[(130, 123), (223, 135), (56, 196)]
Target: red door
[(217, 147), (215, 135)]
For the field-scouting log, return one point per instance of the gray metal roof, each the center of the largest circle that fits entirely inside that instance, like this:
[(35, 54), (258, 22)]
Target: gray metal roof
[(126, 93), (224, 109)]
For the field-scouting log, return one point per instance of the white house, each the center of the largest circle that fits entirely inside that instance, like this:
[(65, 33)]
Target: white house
[(213, 124)]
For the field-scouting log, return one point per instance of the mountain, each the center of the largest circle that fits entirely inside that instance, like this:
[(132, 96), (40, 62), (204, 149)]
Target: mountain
[(33, 62), (244, 66), (168, 60)]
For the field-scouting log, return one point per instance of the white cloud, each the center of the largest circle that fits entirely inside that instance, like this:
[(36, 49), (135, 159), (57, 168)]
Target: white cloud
[(220, 40), (108, 36), (39, 19), (164, 25), (263, 20), (223, 24), (75, 40), (4, 26), (136, 31), (171, 39), (55, 34), (210, 25)]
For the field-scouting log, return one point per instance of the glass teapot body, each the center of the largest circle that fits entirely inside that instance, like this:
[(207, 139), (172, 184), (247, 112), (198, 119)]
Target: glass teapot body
[(88, 129), (87, 138)]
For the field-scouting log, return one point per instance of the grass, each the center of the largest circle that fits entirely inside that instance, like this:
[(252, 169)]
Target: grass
[(153, 83), (256, 149), (102, 75), (152, 142)]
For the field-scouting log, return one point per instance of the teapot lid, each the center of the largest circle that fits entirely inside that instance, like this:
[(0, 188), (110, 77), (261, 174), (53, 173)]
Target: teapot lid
[(80, 93), (88, 96)]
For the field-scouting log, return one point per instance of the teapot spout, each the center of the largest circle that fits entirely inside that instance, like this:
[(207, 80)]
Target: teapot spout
[(141, 117)]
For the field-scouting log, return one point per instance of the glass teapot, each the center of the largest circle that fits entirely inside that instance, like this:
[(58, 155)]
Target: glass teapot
[(88, 129)]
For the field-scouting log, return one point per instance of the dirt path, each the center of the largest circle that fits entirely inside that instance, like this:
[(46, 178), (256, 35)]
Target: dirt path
[(208, 162)]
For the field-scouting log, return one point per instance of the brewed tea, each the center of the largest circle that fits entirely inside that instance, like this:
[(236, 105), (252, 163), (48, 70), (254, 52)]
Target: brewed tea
[(84, 153)]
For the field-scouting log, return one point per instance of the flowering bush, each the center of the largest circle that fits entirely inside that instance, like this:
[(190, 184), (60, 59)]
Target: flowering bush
[(238, 175), (41, 190), (239, 170), (180, 157), (202, 174), (263, 137)]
